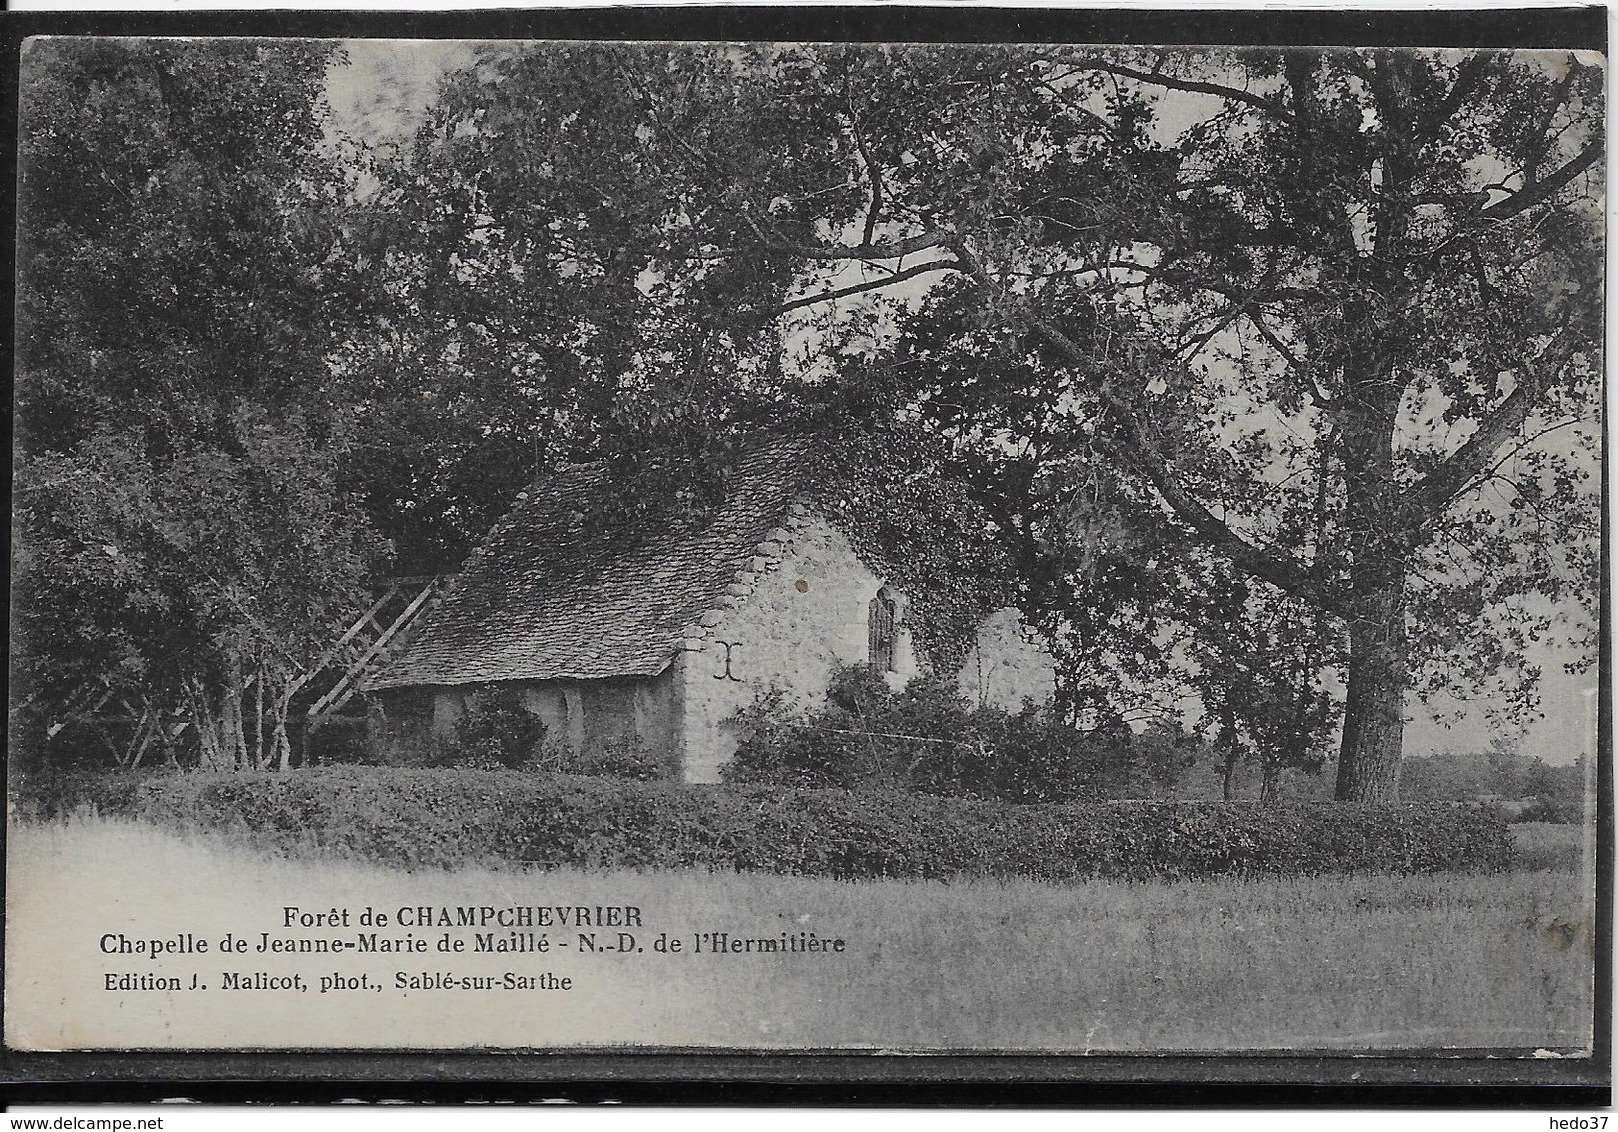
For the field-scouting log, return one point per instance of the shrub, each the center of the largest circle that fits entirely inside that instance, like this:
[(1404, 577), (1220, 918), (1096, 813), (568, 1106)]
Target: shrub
[(443, 817), (341, 739), (495, 729), (1555, 794), (927, 738)]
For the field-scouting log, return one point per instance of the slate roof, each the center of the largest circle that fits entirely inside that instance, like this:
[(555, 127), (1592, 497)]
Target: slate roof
[(551, 596)]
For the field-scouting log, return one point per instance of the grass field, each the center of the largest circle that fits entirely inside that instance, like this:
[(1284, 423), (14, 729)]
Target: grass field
[(1343, 963), (1541, 845)]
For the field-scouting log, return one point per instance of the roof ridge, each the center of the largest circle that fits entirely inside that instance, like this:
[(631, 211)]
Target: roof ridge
[(539, 598)]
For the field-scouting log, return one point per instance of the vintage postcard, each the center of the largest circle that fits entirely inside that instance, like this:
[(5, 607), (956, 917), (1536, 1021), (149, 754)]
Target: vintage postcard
[(784, 546)]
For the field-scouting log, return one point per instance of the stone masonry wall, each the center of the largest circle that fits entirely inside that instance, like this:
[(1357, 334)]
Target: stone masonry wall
[(801, 607), (585, 715)]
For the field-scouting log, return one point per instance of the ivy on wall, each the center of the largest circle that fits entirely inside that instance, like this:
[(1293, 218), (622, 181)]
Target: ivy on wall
[(914, 525)]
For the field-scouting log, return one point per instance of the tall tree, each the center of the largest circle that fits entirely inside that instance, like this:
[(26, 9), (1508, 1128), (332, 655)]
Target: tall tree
[(1407, 242), (1304, 313), (183, 531)]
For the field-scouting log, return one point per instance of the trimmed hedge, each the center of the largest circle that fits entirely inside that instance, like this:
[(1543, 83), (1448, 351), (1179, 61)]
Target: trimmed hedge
[(441, 817)]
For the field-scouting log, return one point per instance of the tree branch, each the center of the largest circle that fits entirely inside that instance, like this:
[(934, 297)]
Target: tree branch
[(1467, 77), (1231, 94), (1140, 449), (894, 249), (872, 173), (1543, 190), (1199, 342), (1102, 126), (1303, 370), (868, 285), (1542, 135), (1428, 497), (1236, 309), (1211, 283)]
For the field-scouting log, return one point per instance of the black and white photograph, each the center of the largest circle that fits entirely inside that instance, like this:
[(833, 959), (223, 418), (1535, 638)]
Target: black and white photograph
[(775, 545)]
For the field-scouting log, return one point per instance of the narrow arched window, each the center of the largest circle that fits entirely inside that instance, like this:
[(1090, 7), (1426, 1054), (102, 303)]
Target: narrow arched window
[(884, 612)]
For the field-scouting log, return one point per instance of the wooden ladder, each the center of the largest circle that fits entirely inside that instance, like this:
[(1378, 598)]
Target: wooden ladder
[(378, 631)]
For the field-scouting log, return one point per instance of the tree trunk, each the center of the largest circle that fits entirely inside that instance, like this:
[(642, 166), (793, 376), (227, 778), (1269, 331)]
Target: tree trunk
[(210, 753), (309, 741), (1232, 747), (1373, 721), (260, 752), (145, 731), (1377, 538), (281, 742), (1270, 789), (233, 736)]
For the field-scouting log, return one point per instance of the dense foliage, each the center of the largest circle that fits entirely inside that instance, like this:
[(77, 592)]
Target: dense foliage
[(446, 817), (927, 738), (186, 544)]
